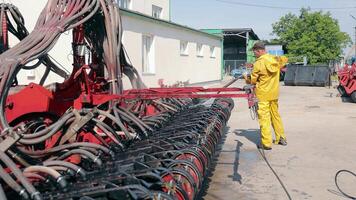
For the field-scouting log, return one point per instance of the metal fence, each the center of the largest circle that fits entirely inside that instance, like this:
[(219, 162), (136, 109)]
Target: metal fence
[(230, 65)]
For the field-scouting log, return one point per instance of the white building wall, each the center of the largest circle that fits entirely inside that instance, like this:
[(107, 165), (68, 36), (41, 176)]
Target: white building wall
[(170, 65), (145, 7)]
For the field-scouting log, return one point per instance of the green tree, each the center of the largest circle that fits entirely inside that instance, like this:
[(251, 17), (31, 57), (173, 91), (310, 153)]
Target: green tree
[(313, 34)]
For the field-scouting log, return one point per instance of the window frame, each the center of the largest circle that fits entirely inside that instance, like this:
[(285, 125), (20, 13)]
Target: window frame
[(212, 51), (157, 10), (148, 57), (122, 4), (200, 52), (184, 48)]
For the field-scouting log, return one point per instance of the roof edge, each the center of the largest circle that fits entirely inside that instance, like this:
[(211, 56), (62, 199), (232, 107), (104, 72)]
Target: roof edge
[(162, 21)]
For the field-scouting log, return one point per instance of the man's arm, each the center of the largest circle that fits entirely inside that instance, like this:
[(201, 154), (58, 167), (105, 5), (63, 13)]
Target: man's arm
[(255, 73), (282, 61)]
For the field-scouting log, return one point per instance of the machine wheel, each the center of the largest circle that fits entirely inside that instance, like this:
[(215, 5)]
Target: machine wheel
[(353, 96), (342, 91)]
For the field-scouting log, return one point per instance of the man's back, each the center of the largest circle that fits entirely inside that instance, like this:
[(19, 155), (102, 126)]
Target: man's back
[(266, 71)]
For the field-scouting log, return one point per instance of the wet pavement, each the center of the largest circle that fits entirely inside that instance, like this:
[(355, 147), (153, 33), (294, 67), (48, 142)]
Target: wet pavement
[(321, 134)]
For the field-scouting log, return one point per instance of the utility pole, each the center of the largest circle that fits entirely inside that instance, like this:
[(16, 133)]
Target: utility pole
[(355, 34)]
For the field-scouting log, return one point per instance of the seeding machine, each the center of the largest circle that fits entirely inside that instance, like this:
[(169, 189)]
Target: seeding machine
[(88, 138), (347, 81)]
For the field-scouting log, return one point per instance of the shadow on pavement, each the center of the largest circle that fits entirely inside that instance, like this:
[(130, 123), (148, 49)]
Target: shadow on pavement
[(252, 135), (236, 176), (346, 100), (212, 167)]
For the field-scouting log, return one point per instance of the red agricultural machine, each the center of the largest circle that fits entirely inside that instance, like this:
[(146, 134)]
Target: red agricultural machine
[(347, 81), (88, 138)]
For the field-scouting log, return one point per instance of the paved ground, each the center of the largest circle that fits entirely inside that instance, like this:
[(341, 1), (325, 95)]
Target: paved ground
[(321, 134)]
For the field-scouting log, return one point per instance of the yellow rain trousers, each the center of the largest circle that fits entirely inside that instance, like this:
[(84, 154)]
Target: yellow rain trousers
[(265, 76), (268, 115)]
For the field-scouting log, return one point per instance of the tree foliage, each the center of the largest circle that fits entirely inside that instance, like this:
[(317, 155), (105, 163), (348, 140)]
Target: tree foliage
[(313, 34)]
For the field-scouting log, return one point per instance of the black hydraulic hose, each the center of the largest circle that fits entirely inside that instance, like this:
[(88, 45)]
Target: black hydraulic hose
[(86, 198), (16, 15), (337, 184), (44, 137), (34, 66), (151, 123), (47, 60), (261, 151), (39, 42), (98, 136), (22, 158), (18, 158), (93, 8), (135, 120), (82, 152), (5, 87), (52, 128), (78, 170), (34, 175), (18, 174), (116, 120), (49, 171), (165, 106), (171, 104), (2, 193), (13, 184), (16, 10), (129, 70), (108, 131), (45, 75), (92, 150), (66, 147), (110, 46), (57, 17)]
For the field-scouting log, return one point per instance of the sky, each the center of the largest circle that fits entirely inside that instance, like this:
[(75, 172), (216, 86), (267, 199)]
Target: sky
[(232, 14)]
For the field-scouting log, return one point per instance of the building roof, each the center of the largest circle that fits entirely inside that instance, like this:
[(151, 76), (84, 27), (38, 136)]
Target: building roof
[(165, 22), (233, 31)]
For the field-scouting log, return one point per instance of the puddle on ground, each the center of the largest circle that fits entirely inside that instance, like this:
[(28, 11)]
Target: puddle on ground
[(249, 156)]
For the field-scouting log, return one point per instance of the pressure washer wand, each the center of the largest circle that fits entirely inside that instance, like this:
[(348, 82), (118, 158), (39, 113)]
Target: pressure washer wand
[(230, 82)]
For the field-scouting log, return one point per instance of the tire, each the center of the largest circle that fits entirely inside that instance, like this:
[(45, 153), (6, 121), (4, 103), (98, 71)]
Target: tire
[(342, 91), (353, 96)]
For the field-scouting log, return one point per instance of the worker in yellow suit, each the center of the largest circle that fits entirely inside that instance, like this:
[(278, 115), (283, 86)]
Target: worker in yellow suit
[(265, 75)]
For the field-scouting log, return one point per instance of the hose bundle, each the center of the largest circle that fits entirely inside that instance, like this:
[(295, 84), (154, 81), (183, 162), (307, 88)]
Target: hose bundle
[(57, 17), (136, 149)]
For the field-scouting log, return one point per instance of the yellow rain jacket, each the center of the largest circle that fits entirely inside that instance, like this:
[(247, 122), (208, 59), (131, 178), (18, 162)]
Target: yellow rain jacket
[(265, 76)]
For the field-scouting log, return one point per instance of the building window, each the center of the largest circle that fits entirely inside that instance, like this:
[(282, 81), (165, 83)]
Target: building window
[(148, 55), (183, 48), (212, 52), (199, 50), (156, 12), (126, 4)]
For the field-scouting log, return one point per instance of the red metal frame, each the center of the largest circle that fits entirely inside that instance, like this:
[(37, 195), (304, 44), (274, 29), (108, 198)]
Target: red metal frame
[(347, 78), (83, 89), (44, 100)]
